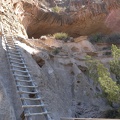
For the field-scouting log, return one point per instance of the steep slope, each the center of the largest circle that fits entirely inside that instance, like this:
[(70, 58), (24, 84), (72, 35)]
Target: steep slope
[(62, 78)]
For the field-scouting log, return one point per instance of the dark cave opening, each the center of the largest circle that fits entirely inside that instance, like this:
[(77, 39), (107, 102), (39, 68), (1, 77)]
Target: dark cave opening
[(38, 60)]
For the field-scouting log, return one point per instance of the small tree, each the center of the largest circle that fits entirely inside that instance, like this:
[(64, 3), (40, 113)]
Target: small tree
[(115, 63), (100, 74), (107, 84), (92, 68), (115, 53)]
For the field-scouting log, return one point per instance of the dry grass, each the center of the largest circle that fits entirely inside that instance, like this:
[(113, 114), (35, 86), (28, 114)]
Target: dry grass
[(61, 36)]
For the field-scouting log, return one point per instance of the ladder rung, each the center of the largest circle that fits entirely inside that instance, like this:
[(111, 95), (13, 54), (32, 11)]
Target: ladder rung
[(33, 114), (14, 53), (26, 92), (18, 56), (22, 71), (9, 39), (31, 106), (15, 46), (14, 58), (18, 66), (18, 75), (10, 43), (14, 62), (25, 80), (27, 86), (12, 47), (31, 98)]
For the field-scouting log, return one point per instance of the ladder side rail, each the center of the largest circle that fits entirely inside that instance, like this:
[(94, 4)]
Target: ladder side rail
[(38, 95), (21, 95)]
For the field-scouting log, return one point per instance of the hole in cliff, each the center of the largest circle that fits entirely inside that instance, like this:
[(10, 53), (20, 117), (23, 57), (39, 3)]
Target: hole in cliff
[(79, 103), (78, 81), (97, 89), (82, 68), (38, 60), (91, 89), (72, 73)]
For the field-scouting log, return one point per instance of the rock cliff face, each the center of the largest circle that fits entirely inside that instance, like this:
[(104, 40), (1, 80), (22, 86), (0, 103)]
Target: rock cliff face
[(88, 19), (10, 20), (63, 80), (58, 68)]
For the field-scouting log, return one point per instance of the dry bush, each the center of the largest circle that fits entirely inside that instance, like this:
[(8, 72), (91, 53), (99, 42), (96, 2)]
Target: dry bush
[(61, 36)]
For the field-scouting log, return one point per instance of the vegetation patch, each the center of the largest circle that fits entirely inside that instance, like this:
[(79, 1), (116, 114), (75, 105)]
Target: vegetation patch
[(56, 9), (115, 63), (56, 51), (109, 86), (113, 39), (100, 38), (101, 75), (96, 38), (61, 36)]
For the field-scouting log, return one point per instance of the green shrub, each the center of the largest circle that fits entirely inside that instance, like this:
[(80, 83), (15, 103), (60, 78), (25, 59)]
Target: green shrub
[(61, 36), (100, 74), (56, 51), (115, 63), (56, 9), (92, 66), (109, 86), (100, 38), (96, 38), (113, 39)]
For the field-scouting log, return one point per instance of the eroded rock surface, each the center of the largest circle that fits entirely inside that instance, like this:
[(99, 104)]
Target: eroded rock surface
[(93, 18), (58, 68), (63, 80)]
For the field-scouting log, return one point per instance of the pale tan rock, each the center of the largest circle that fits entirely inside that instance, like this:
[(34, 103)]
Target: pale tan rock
[(81, 38), (43, 38)]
